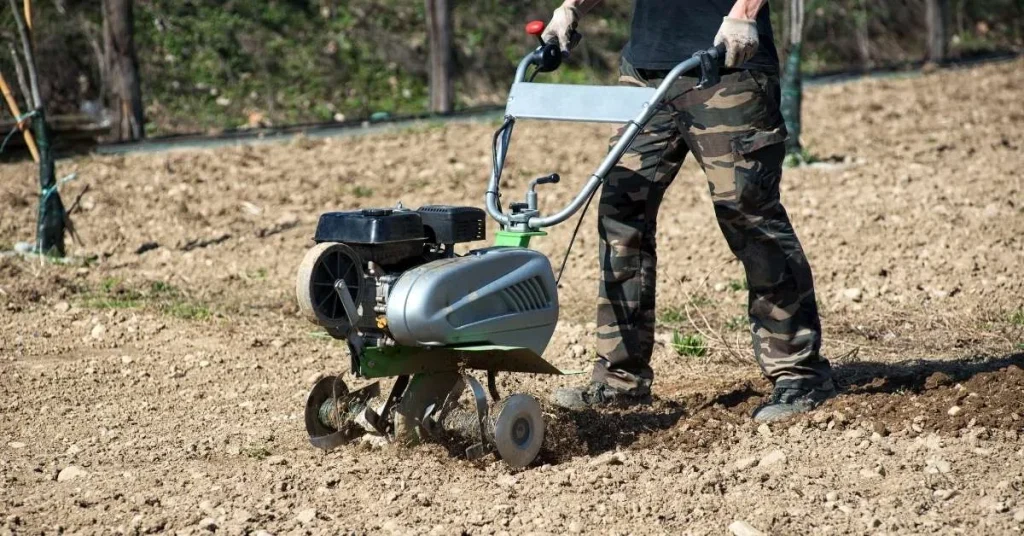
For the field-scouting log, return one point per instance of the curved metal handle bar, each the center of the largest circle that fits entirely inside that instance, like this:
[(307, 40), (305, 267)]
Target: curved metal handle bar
[(613, 156)]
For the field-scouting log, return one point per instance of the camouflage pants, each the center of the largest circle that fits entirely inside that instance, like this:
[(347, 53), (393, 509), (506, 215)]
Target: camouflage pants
[(736, 132)]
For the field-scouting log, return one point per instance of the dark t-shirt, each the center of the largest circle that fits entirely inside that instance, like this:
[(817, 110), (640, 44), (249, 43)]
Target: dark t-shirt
[(666, 32)]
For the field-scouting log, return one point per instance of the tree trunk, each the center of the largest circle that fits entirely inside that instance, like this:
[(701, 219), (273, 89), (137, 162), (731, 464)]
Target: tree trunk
[(122, 70), (439, 33), (860, 18), (937, 13), (792, 82)]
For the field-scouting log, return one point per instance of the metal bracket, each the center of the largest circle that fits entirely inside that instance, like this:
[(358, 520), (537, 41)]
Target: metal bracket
[(709, 74), (492, 385), (477, 450), (380, 420)]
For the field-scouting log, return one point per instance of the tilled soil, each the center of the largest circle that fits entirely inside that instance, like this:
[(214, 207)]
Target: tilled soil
[(155, 384)]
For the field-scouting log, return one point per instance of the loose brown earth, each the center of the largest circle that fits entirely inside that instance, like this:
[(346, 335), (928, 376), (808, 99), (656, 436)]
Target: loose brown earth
[(162, 391)]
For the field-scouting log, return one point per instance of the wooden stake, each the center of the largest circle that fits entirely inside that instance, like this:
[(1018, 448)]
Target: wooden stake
[(30, 140), (28, 13)]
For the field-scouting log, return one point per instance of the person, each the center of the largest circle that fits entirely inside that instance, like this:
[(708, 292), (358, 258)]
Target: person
[(736, 133)]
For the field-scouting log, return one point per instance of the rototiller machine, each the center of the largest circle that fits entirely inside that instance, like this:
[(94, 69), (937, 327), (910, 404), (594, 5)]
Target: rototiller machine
[(389, 283)]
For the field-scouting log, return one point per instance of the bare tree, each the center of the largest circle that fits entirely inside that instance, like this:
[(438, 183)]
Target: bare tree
[(439, 33), (938, 15), (121, 68)]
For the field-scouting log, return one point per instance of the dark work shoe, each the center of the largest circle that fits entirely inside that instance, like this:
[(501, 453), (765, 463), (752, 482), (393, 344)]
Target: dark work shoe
[(597, 394), (786, 402)]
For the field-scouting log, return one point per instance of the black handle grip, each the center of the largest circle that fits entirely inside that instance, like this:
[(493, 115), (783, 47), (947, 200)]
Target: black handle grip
[(550, 179)]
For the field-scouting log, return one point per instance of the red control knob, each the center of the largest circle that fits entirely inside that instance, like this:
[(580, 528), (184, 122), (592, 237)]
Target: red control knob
[(535, 28)]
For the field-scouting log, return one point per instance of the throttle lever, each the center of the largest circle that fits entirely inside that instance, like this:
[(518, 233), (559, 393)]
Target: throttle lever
[(531, 194)]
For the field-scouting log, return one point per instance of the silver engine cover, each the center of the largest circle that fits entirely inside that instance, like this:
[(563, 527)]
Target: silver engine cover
[(500, 296)]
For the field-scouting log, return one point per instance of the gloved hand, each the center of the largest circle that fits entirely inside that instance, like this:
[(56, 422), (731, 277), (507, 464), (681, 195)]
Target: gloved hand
[(741, 41), (563, 23)]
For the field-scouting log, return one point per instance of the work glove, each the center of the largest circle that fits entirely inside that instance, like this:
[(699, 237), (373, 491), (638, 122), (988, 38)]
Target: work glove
[(740, 37), (563, 24)]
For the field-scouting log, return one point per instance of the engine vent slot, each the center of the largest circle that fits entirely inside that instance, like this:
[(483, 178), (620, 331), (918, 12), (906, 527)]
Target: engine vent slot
[(527, 295)]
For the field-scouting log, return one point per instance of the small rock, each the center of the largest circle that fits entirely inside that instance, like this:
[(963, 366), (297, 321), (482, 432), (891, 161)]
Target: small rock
[(944, 494), (856, 433), (745, 463), (575, 528), (126, 360), (1000, 507), (306, 516), (277, 460), (278, 343), (719, 287), (97, 331), (204, 363), (243, 516), (577, 350), (208, 524), (839, 418), (772, 458), (16, 445), (742, 528), (70, 473), (870, 473), (390, 525), (764, 430), (879, 428), (832, 496), (610, 458), (262, 533), (1018, 516), (62, 307), (953, 411), (314, 377), (853, 294)]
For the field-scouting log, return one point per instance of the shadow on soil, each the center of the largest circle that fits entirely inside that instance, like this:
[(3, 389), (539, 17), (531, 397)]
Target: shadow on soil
[(917, 376), (870, 390)]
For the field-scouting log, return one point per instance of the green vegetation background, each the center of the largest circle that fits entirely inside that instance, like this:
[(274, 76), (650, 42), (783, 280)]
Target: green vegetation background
[(209, 65)]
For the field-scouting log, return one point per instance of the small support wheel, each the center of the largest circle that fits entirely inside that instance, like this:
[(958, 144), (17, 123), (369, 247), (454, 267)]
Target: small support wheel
[(518, 429)]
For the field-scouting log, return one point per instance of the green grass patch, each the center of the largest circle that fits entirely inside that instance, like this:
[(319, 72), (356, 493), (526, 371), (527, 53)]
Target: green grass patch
[(362, 191), (112, 293), (1017, 318), (672, 315), (737, 285), (700, 300), (737, 322), (258, 274), (691, 345), (188, 310)]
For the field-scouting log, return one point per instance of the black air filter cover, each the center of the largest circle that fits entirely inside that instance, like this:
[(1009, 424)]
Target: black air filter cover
[(452, 225), (370, 226)]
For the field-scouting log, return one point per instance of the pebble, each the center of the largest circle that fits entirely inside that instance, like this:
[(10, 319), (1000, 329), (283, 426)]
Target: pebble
[(204, 364), (853, 294), (773, 457), (764, 430), (1000, 507), (944, 494), (719, 287), (856, 433), (208, 523), (243, 516), (390, 525), (577, 350), (97, 331), (306, 516), (1018, 516), (575, 528), (870, 473), (278, 343), (126, 360), (277, 460), (610, 458), (742, 528), (62, 307), (16, 445), (745, 463), (70, 473), (953, 411), (832, 496)]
